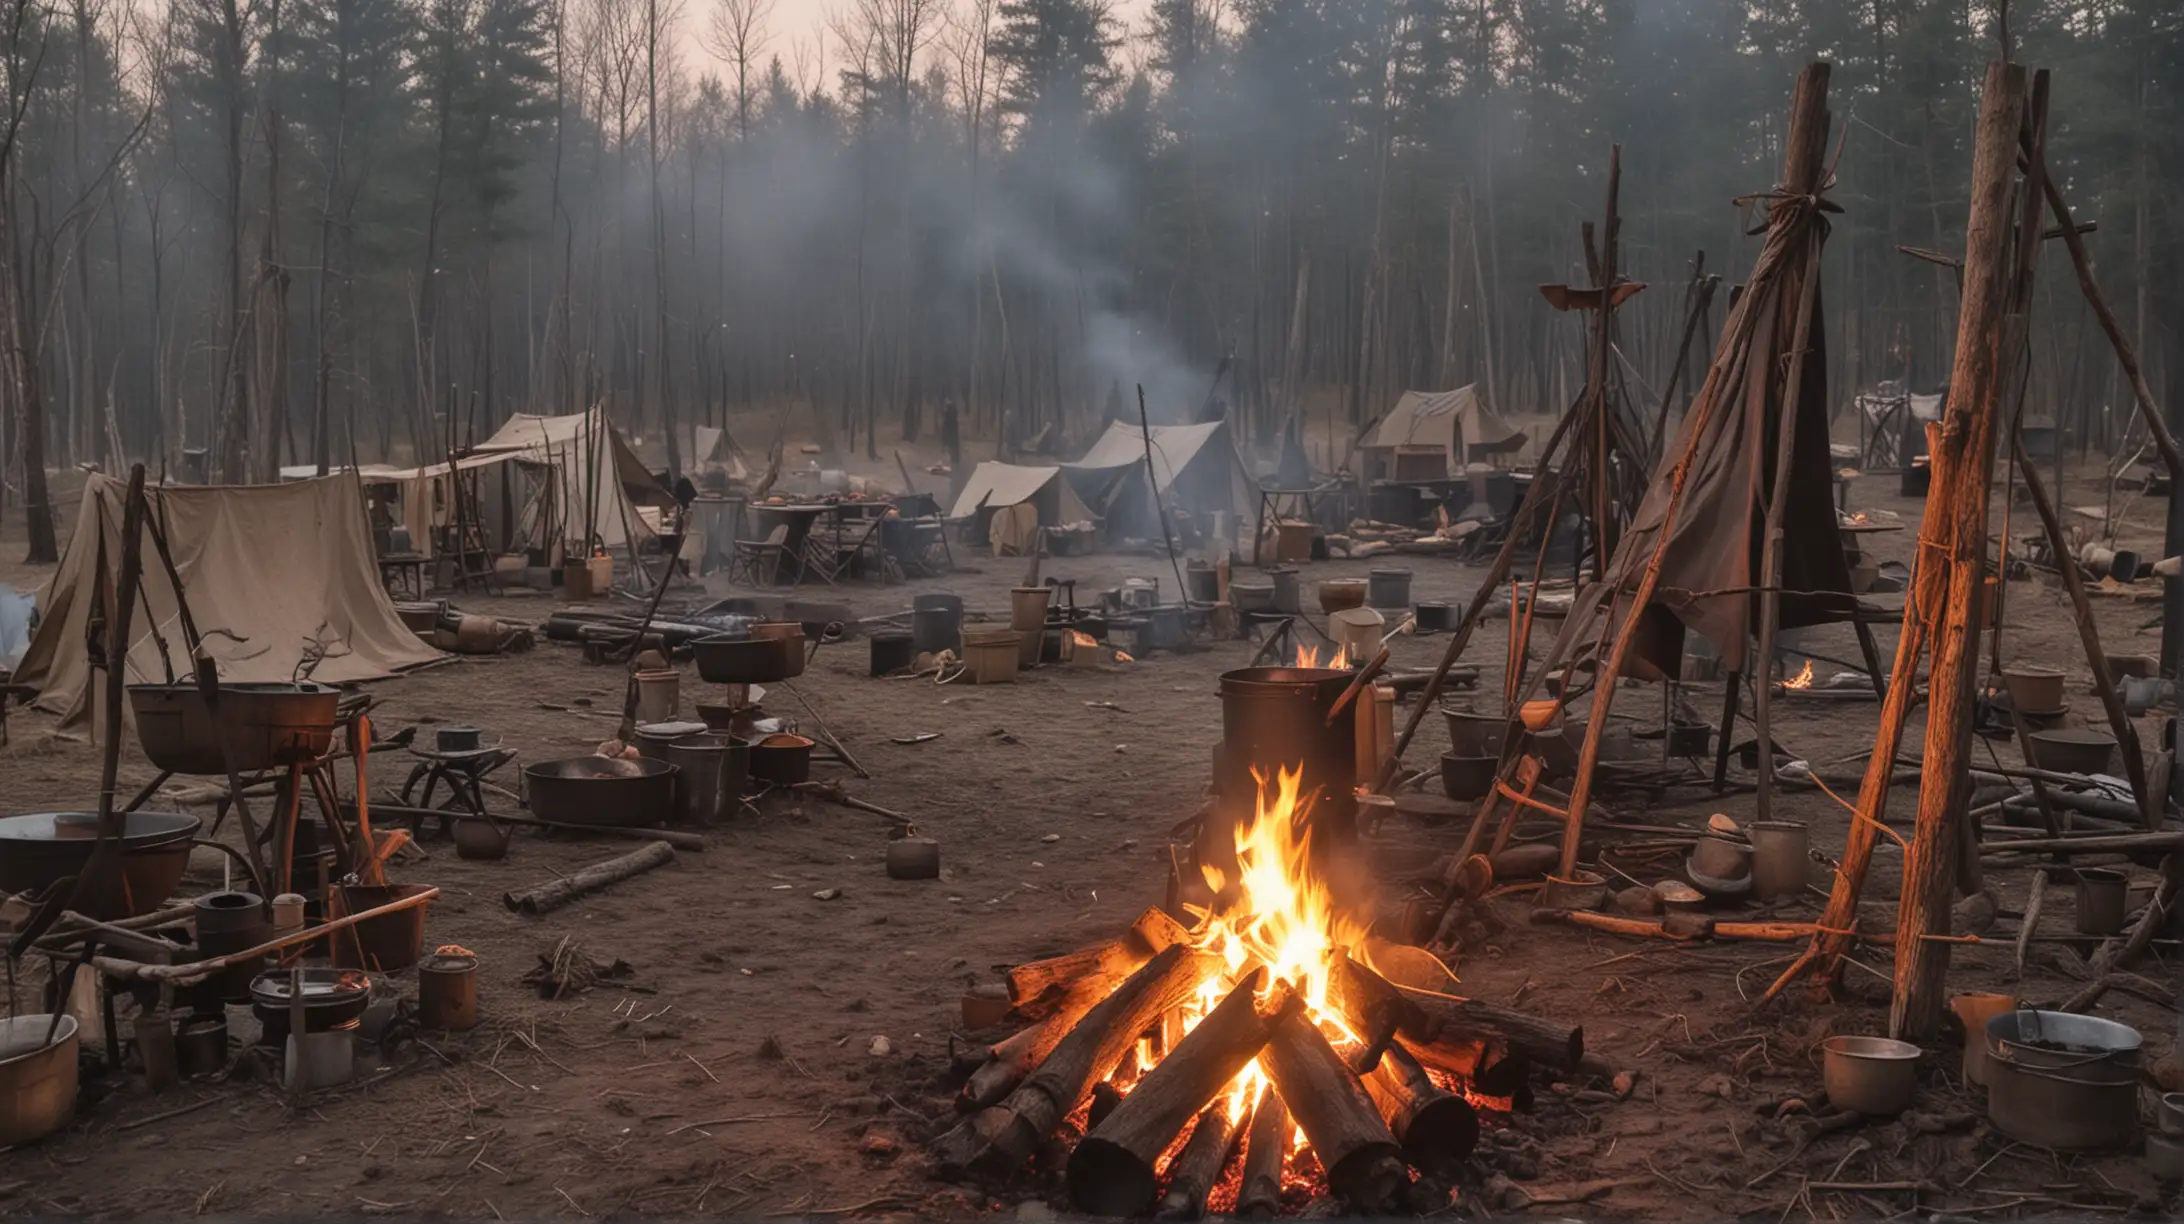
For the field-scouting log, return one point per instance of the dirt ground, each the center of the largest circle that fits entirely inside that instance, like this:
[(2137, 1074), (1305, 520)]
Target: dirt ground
[(734, 1072)]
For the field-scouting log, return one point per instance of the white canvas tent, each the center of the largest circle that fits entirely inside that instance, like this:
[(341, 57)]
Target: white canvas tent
[(273, 572), (1020, 500), (1195, 467), (1433, 435)]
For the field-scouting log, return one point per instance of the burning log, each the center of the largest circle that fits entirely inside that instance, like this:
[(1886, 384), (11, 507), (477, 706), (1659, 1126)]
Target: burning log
[(1049, 984), (997, 1140), (1114, 1170), (1259, 1194), (1363, 1162), (1436, 1128), (1106, 964), (1425, 1017), (1197, 1168)]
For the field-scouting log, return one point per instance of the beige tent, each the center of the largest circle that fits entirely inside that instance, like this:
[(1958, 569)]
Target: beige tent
[(1433, 435), (273, 572), (1018, 500), (1197, 468), (547, 481)]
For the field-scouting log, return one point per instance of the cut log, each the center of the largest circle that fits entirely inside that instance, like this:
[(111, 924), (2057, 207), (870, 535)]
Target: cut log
[(1437, 1128), (1115, 1168), (1111, 962), (995, 1141), (1426, 1017), (557, 893), (1266, 1149), (1197, 1168), (1363, 1162), (1008, 1062)]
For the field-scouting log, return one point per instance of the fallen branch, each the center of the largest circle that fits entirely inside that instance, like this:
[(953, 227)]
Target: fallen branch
[(557, 893)]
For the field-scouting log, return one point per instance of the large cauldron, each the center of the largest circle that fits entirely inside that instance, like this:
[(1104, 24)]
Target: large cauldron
[(38, 849), (1273, 717)]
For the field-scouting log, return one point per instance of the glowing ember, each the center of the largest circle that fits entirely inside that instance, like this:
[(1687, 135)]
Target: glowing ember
[(1123, 657), (1308, 657), (1802, 680), (1083, 641)]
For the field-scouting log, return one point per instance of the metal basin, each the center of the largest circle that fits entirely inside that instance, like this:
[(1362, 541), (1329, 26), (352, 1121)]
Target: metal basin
[(38, 849), (269, 725), (37, 1077), (597, 790)]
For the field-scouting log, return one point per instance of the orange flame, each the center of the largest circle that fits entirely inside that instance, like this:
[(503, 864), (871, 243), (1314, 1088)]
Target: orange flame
[(1279, 915), (1802, 680), (1083, 640), (1308, 657), (1122, 656)]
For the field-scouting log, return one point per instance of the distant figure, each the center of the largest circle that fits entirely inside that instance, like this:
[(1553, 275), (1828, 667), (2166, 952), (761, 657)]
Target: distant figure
[(951, 434), (685, 492)]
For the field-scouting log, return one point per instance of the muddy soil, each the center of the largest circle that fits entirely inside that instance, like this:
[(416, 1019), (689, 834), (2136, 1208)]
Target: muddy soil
[(737, 1071)]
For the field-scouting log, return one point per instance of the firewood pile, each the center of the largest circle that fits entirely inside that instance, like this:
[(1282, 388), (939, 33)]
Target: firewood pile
[(1181, 1066)]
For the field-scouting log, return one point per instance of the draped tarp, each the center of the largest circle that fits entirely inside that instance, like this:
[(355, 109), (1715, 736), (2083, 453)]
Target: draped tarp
[(273, 573), (994, 484), (1711, 568)]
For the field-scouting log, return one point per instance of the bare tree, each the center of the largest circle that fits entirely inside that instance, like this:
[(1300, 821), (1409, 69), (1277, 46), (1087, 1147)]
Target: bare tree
[(737, 36)]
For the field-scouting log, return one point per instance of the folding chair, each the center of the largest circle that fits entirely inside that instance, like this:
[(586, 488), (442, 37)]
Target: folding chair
[(752, 558), (864, 549)]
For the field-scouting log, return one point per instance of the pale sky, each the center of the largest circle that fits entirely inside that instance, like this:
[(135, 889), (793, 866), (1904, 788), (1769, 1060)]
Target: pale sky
[(803, 24)]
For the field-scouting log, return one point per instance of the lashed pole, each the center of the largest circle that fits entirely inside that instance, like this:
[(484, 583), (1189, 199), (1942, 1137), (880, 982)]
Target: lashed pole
[(1968, 436)]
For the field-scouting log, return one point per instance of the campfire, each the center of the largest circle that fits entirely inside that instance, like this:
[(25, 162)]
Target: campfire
[(1802, 680), (1209, 1067), (1084, 648)]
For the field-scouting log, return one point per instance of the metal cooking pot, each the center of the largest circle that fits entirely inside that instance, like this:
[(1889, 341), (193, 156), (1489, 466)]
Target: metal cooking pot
[(331, 997), (597, 790), (268, 725), (1275, 717), (781, 758), (40, 848), (2059, 1080)]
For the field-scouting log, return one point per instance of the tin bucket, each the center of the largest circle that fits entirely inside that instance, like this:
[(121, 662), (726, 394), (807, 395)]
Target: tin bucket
[(701, 763), (1778, 857), (659, 696), (447, 992)]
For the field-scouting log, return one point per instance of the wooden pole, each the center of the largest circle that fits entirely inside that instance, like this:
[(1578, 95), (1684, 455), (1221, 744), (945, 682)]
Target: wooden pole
[(2089, 635), (1770, 566), (1930, 587), (1968, 436)]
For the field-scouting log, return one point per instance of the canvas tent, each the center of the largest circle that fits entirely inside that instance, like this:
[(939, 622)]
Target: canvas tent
[(547, 468), (1196, 468), (1016, 500), (1433, 435), (272, 572)]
